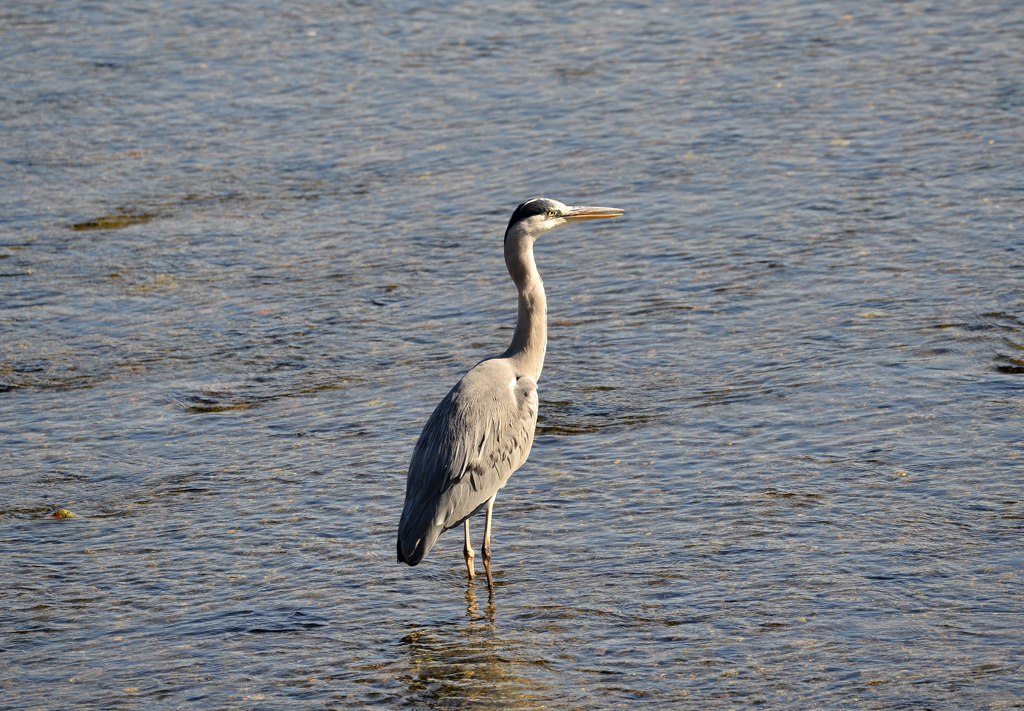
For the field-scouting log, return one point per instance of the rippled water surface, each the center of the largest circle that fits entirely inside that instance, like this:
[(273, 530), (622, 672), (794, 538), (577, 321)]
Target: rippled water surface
[(246, 247)]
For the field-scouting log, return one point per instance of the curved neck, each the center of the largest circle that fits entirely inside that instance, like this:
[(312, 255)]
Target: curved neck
[(530, 340)]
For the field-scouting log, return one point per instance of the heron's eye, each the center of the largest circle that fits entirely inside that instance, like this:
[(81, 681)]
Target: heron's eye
[(552, 213)]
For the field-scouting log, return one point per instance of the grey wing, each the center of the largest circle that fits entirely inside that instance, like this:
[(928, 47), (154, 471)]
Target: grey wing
[(476, 437)]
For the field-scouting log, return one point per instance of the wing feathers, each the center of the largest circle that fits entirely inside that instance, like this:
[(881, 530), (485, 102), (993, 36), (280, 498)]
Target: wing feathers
[(479, 434)]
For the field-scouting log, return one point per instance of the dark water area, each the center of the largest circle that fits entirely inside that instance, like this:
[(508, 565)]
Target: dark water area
[(246, 248)]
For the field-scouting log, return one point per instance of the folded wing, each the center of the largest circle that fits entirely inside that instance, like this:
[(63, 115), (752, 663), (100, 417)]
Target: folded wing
[(479, 434)]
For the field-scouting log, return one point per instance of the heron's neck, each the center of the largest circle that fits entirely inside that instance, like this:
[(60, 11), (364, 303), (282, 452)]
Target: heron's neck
[(530, 340)]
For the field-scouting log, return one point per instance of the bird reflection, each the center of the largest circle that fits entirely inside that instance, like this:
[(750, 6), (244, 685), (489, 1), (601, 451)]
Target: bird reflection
[(474, 608), (467, 664)]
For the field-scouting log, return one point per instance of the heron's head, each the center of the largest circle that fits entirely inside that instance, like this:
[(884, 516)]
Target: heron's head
[(539, 215)]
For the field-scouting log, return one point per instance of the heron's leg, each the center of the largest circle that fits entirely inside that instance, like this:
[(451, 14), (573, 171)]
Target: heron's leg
[(486, 547), (467, 550)]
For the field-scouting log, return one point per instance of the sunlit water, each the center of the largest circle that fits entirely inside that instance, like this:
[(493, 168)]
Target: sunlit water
[(246, 248)]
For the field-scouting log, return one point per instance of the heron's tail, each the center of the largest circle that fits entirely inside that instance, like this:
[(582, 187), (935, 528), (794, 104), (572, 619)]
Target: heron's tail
[(414, 542)]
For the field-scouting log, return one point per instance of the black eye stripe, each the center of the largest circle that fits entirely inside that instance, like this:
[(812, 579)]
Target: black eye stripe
[(530, 208), (536, 206)]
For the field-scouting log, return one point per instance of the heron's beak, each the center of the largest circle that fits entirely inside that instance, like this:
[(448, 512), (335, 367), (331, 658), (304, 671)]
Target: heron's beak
[(579, 214)]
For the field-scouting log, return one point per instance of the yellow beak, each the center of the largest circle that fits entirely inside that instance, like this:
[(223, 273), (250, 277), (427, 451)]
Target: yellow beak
[(578, 214)]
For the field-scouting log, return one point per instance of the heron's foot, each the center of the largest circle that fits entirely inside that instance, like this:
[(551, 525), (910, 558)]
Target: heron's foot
[(468, 552)]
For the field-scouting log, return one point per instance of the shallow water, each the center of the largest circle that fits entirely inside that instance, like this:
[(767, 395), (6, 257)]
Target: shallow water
[(245, 249)]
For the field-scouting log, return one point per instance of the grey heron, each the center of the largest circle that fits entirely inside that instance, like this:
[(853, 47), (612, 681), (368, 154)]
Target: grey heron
[(482, 430)]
